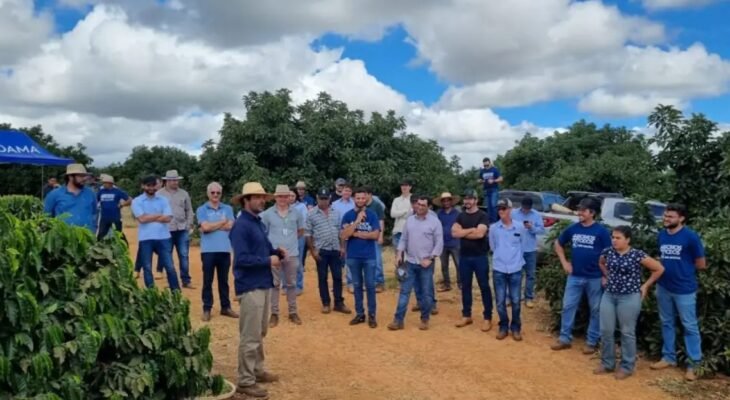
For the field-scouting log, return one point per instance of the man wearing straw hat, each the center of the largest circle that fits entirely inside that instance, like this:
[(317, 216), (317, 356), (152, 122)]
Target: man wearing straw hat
[(182, 222), (111, 201), (447, 214), (284, 226), (253, 260), (74, 199)]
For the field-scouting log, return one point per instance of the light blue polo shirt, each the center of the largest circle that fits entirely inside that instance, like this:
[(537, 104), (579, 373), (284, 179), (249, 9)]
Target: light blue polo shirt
[(507, 245), (80, 209), (217, 241), (146, 205)]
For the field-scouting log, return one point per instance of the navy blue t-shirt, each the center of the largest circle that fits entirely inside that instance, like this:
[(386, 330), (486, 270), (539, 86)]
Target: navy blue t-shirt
[(361, 248), (678, 255), (109, 203), (490, 173), (587, 245)]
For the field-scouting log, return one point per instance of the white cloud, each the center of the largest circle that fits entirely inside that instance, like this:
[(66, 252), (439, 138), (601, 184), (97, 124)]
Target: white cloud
[(601, 102), (21, 30), (673, 4)]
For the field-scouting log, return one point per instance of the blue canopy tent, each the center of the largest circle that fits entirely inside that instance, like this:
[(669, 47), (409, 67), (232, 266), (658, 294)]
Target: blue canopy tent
[(18, 148)]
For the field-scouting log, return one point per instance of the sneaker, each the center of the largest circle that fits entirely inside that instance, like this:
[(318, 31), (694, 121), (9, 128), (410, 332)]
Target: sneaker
[(530, 304), (487, 325), (267, 377), (517, 336), (588, 349), (622, 374), (343, 309), (359, 319), (326, 310), (206, 316), (229, 313), (273, 320), (395, 326), (416, 308), (434, 310), (662, 364), (560, 346), (502, 335), (294, 318), (464, 322), (690, 375), (601, 370), (424, 325), (254, 391), (372, 322), (379, 288)]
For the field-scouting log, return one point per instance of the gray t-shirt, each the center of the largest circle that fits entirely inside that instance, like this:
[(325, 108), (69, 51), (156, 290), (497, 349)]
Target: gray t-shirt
[(283, 231)]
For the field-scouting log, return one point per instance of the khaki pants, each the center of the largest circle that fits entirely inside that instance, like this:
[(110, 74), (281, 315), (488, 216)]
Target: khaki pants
[(289, 268), (252, 326)]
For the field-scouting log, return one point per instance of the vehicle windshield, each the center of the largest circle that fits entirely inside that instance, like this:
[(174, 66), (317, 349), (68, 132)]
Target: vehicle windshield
[(625, 210)]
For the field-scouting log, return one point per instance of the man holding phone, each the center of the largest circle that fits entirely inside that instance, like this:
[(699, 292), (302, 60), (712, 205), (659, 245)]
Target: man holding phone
[(532, 222), (360, 232)]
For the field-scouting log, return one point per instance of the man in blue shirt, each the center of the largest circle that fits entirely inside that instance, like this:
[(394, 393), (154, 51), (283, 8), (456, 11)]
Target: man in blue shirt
[(361, 230), (490, 178), (111, 200), (303, 196), (447, 215), (215, 220), (506, 239), (588, 239), (532, 221), (153, 213), (74, 202), (682, 255), (253, 260)]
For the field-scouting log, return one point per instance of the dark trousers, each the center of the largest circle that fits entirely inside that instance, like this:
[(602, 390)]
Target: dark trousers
[(452, 252), (216, 264), (106, 225), (330, 260), (479, 266)]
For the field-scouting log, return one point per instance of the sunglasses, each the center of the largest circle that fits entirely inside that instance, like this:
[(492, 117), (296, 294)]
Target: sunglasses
[(215, 192)]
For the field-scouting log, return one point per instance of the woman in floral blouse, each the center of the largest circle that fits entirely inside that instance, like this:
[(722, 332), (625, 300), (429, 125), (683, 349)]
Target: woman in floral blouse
[(621, 265)]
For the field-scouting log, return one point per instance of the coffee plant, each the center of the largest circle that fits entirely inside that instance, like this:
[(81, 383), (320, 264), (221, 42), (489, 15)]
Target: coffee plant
[(75, 325), (713, 296)]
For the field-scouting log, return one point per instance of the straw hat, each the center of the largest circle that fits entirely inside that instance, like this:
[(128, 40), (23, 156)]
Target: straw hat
[(107, 178), (76, 169), (172, 175), (251, 189), (282, 190), (446, 195)]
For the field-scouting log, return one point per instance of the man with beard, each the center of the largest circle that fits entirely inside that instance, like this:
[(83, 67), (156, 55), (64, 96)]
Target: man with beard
[(253, 260), (588, 239), (447, 214), (74, 199), (682, 255), (153, 213), (111, 201), (181, 225), (360, 232), (471, 227), (376, 206)]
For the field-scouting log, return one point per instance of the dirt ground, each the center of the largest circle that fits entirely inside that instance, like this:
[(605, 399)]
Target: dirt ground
[(327, 359)]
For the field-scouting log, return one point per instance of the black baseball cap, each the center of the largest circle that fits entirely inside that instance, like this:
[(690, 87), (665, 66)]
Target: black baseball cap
[(589, 204), (323, 193), (470, 194), (149, 180), (526, 202)]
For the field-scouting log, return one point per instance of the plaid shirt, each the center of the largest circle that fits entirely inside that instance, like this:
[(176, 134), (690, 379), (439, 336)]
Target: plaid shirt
[(324, 229)]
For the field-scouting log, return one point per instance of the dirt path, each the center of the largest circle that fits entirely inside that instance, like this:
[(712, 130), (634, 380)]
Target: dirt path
[(325, 358)]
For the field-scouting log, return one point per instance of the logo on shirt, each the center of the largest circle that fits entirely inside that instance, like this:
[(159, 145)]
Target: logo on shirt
[(364, 227), (671, 251), (487, 175), (583, 241), (107, 197)]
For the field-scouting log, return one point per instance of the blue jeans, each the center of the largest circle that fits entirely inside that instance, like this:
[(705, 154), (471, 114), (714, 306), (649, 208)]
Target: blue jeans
[(216, 264), (329, 260), (418, 277), (302, 259), (379, 274), (181, 242), (508, 285), (468, 267), (490, 201), (671, 304), (396, 240), (530, 269), (363, 271), (625, 308), (574, 289), (162, 249)]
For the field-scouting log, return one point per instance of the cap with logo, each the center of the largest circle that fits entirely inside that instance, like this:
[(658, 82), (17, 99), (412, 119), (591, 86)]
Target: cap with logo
[(323, 193), (470, 194), (340, 181), (504, 203)]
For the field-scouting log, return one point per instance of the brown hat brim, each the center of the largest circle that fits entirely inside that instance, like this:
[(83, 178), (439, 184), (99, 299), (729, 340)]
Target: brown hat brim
[(437, 201), (238, 199)]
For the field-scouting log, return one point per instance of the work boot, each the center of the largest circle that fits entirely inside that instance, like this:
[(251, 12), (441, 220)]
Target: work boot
[(294, 318), (622, 374), (254, 391), (267, 377), (487, 325), (379, 288), (690, 375), (343, 309), (517, 336), (560, 346), (206, 316), (229, 313), (416, 308), (273, 320), (601, 370), (359, 319), (530, 304), (502, 335), (326, 309), (464, 322), (424, 325), (395, 326), (434, 310), (588, 349), (662, 364), (372, 322)]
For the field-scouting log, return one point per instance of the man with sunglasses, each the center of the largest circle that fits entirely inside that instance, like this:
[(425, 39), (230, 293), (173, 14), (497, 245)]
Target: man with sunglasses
[(215, 220)]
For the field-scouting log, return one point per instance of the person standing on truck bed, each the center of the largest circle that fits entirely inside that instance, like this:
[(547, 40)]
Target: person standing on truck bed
[(588, 240), (490, 177)]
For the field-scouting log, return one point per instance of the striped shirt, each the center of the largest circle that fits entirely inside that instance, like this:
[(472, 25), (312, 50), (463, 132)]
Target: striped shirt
[(324, 229)]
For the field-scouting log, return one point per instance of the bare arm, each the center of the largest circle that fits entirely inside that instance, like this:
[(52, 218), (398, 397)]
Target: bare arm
[(208, 227), (479, 232), (458, 232), (374, 235), (701, 263), (560, 251), (348, 231), (602, 265), (656, 268)]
